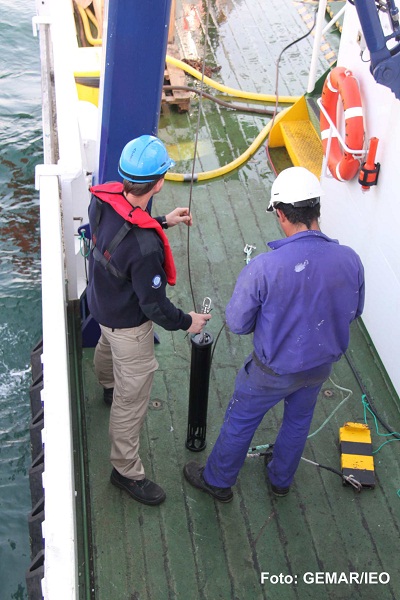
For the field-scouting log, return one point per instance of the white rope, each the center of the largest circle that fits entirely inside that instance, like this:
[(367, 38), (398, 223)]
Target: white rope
[(350, 393)]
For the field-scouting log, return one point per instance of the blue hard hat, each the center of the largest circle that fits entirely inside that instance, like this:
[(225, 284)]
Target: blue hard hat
[(144, 159)]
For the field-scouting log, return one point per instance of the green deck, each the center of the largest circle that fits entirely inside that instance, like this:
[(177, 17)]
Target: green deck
[(191, 547)]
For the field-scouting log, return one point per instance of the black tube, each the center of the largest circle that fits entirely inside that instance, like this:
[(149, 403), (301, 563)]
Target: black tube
[(198, 393), (249, 109)]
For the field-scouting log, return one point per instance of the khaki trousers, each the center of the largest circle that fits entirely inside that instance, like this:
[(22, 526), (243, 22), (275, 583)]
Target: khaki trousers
[(124, 359)]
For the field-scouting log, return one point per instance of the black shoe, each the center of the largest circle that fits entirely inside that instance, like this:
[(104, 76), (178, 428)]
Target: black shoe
[(108, 394), (194, 475), (142, 490), (277, 491)]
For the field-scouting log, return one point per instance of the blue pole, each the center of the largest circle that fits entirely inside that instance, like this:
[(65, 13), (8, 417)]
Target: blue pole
[(137, 37)]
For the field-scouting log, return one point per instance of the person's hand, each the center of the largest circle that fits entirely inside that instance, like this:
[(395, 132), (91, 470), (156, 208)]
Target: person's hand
[(198, 322), (179, 215)]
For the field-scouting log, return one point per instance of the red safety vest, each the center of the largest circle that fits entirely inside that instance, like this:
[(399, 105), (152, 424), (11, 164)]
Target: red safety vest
[(112, 194)]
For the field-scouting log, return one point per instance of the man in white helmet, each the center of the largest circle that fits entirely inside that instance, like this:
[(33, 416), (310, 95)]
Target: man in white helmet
[(298, 301)]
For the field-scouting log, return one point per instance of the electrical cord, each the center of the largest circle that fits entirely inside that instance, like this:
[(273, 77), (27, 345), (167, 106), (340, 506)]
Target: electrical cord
[(367, 408), (192, 177), (245, 156), (277, 86), (370, 403), (253, 452), (238, 107), (350, 479), (86, 15), (239, 94), (346, 478), (263, 134), (335, 410), (259, 450), (216, 340), (227, 90), (249, 96), (236, 163)]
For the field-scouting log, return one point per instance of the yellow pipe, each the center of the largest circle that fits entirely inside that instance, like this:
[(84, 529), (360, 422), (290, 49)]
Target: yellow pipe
[(227, 90), (94, 21), (232, 165), (222, 88), (86, 27), (194, 72)]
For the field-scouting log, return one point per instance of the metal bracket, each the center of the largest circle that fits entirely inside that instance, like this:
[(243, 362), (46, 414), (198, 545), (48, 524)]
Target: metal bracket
[(248, 250), (55, 170), (385, 61), (40, 20), (205, 309)]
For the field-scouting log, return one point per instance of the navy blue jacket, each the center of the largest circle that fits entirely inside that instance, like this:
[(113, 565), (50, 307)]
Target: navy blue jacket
[(123, 303)]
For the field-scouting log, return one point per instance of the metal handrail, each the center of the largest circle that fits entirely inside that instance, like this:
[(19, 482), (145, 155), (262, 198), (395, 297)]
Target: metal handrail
[(334, 129), (334, 19), (320, 30), (316, 46)]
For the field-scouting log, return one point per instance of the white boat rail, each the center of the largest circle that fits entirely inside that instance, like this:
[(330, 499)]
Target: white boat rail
[(59, 526), (320, 31), (64, 197)]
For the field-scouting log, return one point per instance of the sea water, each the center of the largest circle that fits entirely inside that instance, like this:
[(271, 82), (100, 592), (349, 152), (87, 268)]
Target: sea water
[(20, 293)]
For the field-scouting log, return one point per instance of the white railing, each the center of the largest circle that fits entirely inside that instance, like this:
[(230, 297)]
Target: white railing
[(63, 143), (64, 197), (59, 527), (320, 31)]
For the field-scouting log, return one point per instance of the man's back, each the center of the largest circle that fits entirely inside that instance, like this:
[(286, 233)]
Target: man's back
[(299, 300)]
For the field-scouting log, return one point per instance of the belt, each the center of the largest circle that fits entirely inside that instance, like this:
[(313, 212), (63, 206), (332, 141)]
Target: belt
[(262, 366)]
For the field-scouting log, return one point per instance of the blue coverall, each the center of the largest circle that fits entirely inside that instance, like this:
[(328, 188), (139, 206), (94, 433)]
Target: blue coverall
[(298, 301)]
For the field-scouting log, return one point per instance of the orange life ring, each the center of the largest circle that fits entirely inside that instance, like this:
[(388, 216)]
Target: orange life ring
[(340, 81)]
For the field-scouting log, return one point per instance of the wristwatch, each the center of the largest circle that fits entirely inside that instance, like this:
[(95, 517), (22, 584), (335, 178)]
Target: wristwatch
[(164, 223)]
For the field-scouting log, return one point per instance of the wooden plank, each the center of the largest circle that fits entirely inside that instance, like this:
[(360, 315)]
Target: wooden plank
[(173, 76), (181, 98), (171, 30)]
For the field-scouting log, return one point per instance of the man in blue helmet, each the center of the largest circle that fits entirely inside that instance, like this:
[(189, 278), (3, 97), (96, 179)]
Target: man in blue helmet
[(130, 264), (298, 301)]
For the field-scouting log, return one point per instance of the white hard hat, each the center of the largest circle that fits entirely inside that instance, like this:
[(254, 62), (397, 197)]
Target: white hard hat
[(296, 186)]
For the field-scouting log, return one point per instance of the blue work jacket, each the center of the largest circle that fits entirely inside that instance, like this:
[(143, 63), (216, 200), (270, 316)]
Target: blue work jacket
[(299, 301)]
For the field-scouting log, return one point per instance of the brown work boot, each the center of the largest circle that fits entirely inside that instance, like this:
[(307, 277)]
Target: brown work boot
[(194, 475)]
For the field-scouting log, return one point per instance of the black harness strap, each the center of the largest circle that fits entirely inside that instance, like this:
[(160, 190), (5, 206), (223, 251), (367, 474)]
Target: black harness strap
[(105, 257)]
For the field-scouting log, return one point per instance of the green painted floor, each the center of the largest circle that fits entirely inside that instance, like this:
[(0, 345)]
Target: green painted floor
[(191, 547)]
